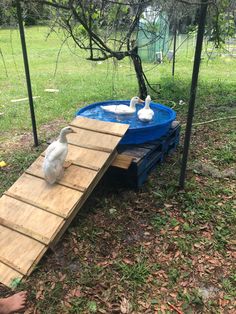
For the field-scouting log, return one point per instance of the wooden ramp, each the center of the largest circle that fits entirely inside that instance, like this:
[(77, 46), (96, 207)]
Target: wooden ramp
[(34, 214)]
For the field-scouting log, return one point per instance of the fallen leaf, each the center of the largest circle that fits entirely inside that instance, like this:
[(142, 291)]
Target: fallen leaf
[(67, 304), (168, 205), (127, 261), (62, 277), (147, 243), (104, 263), (213, 261), (39, 295), (124, 306), (177, 254), (176, 228), (77, 293)]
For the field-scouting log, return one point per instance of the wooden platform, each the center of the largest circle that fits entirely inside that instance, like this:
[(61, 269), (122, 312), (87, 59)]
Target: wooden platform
[(34, 214), (135, 162)]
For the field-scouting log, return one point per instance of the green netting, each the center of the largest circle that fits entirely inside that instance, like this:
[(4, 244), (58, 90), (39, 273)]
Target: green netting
[(153, 37)]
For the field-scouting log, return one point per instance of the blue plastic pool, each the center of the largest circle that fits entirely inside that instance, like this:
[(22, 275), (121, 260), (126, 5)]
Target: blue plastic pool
[(138, 132)]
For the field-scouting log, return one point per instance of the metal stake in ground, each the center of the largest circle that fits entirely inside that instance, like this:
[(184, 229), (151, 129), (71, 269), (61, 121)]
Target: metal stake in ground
[(27, 73), (197, 60)]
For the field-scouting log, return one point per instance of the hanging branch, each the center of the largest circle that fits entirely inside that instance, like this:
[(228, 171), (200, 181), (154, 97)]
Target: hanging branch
[(58, 55), (4, 64)]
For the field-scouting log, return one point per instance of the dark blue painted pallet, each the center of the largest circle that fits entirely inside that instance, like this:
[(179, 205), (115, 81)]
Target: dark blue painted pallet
[(145, 158)]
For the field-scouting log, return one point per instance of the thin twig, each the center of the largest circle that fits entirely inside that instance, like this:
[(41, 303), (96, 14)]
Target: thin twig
[(174, 308), (213, 120)]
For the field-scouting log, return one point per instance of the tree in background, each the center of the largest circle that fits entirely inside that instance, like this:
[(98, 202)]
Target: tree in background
[(222, 22), (104, 29), (108, 28), (34, 13)]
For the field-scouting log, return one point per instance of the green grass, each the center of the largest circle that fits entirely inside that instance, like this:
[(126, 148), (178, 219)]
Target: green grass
[(17, 163), (136, 273)]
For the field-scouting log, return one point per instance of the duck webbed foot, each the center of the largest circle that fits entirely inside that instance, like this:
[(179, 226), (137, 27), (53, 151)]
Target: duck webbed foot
[(67, 164)]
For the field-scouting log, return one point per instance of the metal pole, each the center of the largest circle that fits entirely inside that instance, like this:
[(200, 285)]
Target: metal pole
[(196, 66), (174, 48), (27, 73)]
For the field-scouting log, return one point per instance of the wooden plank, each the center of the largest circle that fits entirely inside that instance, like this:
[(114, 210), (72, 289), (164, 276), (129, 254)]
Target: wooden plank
[(28, 219), (116, 129), (74, 176), (53, 198), (87, 157), (35, 204), (122, 161), (91, 140), (23, 230), (92, 147), (85, 196), (9, 275), (86, 165), (17, 250), (134, 151), (78, 162), (61, 182)]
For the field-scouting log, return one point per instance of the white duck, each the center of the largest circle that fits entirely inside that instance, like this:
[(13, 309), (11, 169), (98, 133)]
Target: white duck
[(123, 109), (55, 157), (146, 114)]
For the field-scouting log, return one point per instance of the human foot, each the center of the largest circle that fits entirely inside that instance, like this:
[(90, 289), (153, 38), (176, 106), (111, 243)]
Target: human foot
[(14, 303)]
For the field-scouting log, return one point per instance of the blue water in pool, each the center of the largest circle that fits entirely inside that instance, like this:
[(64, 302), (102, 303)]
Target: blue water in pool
[(96, 112), (138, 132)]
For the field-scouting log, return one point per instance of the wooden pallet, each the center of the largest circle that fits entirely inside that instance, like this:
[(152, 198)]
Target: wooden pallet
[(134, 162), (34, 214)]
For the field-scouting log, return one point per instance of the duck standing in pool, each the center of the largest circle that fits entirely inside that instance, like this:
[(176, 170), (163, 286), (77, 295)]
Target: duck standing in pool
[(123, 109), (55, 157), (146, 114)]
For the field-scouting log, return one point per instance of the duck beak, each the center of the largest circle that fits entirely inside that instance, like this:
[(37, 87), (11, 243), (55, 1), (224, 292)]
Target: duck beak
[(140, 100), (73, 131)]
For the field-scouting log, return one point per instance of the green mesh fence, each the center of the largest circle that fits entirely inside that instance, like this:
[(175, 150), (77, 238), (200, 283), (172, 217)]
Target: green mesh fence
[(153, 37)]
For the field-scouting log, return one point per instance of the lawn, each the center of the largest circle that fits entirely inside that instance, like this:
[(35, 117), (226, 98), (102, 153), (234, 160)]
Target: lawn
[(129, 251)]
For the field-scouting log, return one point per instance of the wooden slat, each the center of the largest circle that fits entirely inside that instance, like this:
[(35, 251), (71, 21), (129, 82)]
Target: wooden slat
[(23, 230), (11, 263), (9, 275), (136, 152), (85, 165), (18, 251), (122, 161), (78, 162), (28, 219), (54, 198), (74, 176), (33, 203), (94, 141), (87, 157), (61, 182), (92, 147), (116, 129)]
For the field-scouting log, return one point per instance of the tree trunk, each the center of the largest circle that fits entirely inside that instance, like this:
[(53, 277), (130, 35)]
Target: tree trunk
[(139, 74)]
